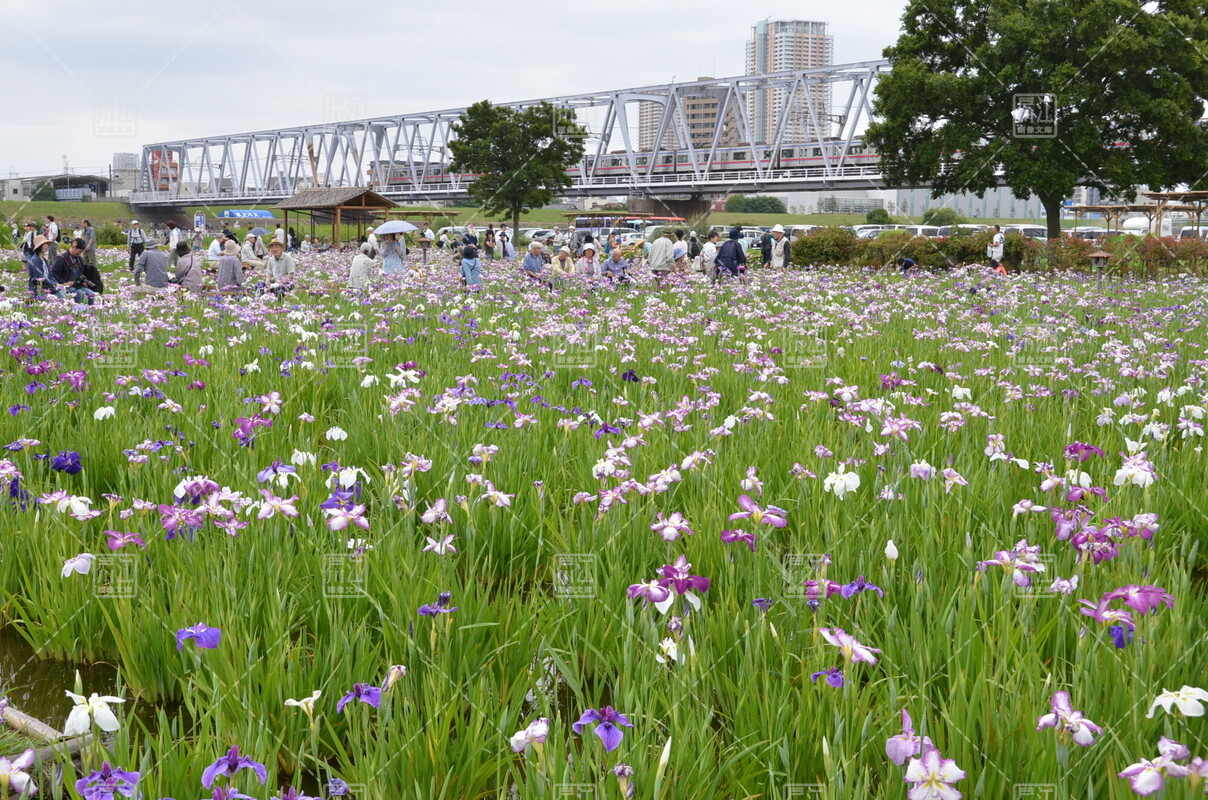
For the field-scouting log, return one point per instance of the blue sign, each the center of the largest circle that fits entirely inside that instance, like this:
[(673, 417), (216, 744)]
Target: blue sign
[(237, 213)]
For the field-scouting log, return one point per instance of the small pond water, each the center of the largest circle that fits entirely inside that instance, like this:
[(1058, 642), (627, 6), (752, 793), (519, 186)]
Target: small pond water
[(36, 685)]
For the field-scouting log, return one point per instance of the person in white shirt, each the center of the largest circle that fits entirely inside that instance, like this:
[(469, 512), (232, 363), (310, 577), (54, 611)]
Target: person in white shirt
[(781, 250), (173, 240), (52, 233), (662, 256), (305, 246), (279, 235), (215, 250), (372, 240), (994, 251), (708, 254)]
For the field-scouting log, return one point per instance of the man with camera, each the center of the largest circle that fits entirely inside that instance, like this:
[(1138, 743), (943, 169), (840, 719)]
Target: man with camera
[(68, 273)]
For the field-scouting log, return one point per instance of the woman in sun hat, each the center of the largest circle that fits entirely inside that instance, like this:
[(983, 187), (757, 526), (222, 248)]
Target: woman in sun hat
[(230, 269), (588, 266), (39, 270)]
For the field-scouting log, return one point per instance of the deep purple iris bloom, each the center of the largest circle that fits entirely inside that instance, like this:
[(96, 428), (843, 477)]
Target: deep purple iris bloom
[(366, 693), (860, 585), (834, 677), (273, 470), (17, 409), (293, 794), (231, 763), (67, 461), (776, 517), (630, 376), (202, 635), (340, 499), (675, 575), (607, 430), (580, 382), (1121, 636), (607, 719), (442, 606), (107, 782), (762, 603)]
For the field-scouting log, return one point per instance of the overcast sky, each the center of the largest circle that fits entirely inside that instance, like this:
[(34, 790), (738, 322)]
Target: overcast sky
[(88, 79)]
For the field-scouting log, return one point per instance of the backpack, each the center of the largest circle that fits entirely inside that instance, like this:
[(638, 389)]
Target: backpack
[(694, 248)]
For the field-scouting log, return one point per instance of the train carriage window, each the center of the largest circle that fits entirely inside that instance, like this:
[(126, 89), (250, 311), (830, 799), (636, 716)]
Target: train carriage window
[(666, 159), (816, 152), (786, 153), (616, 162), (740, 155), (643, 161), (767, 154), (682, 158)]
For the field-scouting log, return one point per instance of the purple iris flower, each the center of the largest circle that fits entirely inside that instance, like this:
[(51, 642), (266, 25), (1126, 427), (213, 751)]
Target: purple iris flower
[(226, 793), (580, 382), (1142, 599), (1081, 452), (676, 575), (834, 677), (337, 788), (776, 517), (1121, 636), (442, 606), (860, 585), (739, 535), (366, 693), (202, 635), (231, 763), (630, 376), (340, 499), (607, 719), (607, 430), (762, 603), (293, 794), (17, 409), (107, 782), (67, 461), (273, 470)]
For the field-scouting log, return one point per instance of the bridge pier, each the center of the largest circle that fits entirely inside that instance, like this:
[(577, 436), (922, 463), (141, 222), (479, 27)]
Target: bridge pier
[(686, 207)]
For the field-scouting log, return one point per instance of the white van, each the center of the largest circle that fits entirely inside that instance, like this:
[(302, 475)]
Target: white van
[(1141, 226), (1192, 232)]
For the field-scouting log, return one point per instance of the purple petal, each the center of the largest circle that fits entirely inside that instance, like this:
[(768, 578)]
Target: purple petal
[(610, 735), (589, 716)]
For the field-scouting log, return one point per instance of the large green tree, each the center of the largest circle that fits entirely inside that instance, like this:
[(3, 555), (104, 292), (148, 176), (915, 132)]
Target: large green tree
[(1047, 92), (520, 156)]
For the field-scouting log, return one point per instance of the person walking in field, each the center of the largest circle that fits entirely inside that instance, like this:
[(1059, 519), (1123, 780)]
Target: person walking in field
[(708, 254), (52, 233), (88, 234), (136, 241), (995, 250), (731, 258), (781, 252), (662, 257)]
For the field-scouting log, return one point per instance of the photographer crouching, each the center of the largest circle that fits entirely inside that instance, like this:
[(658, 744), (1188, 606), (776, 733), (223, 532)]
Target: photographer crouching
[(68, 273)]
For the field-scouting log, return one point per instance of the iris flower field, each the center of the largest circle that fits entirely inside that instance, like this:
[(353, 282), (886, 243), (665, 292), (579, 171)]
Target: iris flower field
[(833, 533)]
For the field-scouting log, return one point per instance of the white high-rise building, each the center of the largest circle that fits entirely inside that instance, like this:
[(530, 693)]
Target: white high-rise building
[(780, 45)]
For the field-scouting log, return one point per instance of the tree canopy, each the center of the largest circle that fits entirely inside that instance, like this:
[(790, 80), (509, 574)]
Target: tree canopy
[(520, 156), (1055, 94)]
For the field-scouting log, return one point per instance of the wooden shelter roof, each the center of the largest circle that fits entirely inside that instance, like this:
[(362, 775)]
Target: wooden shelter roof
[(329, 199)]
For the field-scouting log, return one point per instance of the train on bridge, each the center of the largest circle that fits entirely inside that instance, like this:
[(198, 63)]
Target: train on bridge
[(668, 162)]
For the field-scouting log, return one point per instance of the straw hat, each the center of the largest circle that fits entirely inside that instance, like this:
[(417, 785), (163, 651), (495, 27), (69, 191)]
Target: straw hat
[(231, 248), (40, 240)]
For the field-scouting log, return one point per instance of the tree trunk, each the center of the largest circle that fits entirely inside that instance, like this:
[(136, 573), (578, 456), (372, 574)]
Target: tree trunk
[(516, 227), (1052, 214)]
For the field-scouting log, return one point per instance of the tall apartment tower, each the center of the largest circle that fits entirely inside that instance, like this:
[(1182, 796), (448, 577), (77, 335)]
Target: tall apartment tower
[(778, 45), (701, 109)]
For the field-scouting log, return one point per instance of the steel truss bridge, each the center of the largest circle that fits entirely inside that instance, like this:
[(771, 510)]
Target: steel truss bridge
[(818, 111)]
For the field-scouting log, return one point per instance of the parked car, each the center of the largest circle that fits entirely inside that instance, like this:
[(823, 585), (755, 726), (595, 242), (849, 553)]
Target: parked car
[(921, 230), (1088, 232), (1192, 232), (1036, 232)]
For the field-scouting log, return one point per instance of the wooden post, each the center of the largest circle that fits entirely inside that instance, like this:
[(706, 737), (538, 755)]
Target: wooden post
[(336, 232)]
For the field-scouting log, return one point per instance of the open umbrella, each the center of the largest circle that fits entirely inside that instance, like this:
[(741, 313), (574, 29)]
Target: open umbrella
[(258, 232), (395, 226)]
